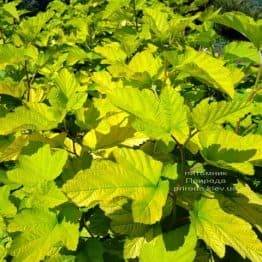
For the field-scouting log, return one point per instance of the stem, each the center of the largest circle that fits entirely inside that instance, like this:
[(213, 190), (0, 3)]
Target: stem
[(71, 152), (173, 194), (257, 87), (238, 126), (83, 225), (135, 14), (16, 189), (2, 36), (65, 126), (172, 217), (182, 180), (28, 81), (248, 129), (191, 135), (182, 155), (74, 147), (211, 254), (165, 70), (259, 70), (213, 51)]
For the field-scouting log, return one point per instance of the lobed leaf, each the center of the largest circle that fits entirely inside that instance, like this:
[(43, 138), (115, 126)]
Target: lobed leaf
[(244, 24), (218, 229), (207, 69), (134, 175), (157, 117), (40, 235)]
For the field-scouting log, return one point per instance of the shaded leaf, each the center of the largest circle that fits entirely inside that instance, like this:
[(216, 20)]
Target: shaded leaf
[(177, 245), (244, 24)]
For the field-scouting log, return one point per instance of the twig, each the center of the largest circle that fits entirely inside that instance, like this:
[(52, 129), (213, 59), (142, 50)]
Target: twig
[(2, 36), (182, 155), (65, 126), (71, 152), (257, 87), (191, 135), (173, 215), (135, 14), (16, 189), (249, 128), (28, 81), (83, 225), (238, 126), (74, 147)]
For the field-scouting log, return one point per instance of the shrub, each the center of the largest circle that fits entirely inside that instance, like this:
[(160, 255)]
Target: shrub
[(127, 133)]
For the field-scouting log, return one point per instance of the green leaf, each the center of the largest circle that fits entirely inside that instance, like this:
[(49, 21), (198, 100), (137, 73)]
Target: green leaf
[(35, 116), (68, 93), (245, 190), (227, 150), (9, 54), (157, 117), (122, 222), (164, 23), (142, 68), (97, 111), (123, 86), (218, 229), (12, 88), (77, 54), (40, 167), (113, 7), (10, 148), (7, 208), (112, 52), (158, 21), (43, 195), (30, 28), (92, 252), (244, 203), (177, 245), (10, 8), (241, 50), (99, 223), (207, 69), (103, 79), (3, 252), (244, 24), (206, 115), (134, 175), (5, 240), (145, 62), (60, 258), (111, 131), (133, 246), (170, 171), (203, 255), (41, 235)]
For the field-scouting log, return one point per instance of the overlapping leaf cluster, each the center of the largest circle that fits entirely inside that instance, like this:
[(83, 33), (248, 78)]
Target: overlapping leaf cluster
[(106, 108)]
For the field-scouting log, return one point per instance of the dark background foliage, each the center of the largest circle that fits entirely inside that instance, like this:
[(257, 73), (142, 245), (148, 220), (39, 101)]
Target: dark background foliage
[(250, 7)]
